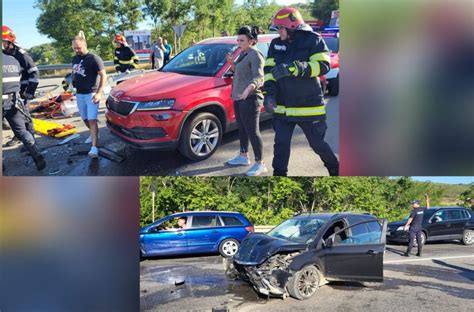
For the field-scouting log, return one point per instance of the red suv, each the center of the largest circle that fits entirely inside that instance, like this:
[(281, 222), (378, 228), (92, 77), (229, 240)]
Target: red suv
[(186, 105)]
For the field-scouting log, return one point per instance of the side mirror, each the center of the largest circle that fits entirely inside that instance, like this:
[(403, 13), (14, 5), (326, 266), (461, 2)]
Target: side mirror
[(229, 74), (435, 220)]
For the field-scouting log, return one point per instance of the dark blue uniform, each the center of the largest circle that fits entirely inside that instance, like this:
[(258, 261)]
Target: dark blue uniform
[(13, 109), (299, 97), (416, 227)]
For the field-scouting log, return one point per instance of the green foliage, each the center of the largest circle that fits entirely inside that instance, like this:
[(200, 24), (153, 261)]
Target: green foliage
[(467, 196), (100, 20), (322, 9), (269, 201), (44, 54)]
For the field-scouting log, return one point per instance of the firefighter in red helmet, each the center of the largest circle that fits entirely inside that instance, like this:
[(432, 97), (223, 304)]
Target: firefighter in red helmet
[(293, 90), (29, 74), (125, 58)]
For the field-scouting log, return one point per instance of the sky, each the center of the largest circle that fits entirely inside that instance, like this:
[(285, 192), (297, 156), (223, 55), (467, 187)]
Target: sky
[(21, 16), (448, 180)]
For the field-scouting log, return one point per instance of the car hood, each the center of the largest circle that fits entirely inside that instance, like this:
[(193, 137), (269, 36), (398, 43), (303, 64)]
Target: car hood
[(161, 85), (257, 247), (396, 223)]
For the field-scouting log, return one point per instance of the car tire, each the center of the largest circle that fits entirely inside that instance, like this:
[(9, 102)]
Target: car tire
[(304, 283), (468, 237), (201, 136), (333, 86), (229, 247), (423, 240)]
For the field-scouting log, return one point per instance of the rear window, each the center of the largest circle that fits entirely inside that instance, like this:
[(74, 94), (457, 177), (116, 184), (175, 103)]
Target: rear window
[(455, 215), (229, 221), (204, 221)]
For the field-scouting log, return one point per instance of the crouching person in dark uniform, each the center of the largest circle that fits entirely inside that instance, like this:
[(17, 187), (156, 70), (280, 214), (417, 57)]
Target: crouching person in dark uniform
[(13, 109), (293, 91)]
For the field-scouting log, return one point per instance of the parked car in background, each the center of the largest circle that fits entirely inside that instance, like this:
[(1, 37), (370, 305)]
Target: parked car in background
[(310, 250), (332, 77), (195, 232), (439, 223), (186, 105)]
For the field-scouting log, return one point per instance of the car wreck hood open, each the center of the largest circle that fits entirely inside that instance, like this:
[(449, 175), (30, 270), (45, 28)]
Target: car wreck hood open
[(257, 247)]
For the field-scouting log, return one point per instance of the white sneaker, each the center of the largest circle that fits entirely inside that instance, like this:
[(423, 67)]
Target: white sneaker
[(94, 152), (239, 160), (257, 169)]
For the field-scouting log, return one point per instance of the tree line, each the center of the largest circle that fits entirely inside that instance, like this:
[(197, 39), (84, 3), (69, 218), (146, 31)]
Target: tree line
[(269, 201), (100, 20)]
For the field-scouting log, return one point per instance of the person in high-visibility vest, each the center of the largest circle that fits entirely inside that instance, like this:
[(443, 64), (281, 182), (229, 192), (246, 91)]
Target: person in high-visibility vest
[(125, 58), (293, 90)]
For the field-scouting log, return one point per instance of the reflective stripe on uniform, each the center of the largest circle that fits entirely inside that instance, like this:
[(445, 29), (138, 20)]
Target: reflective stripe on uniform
[(323, 57), (11, 79), (268, 77), (33, 80), (315, 69), (126, 62), (24, 82), (279, 109), (305, 111), (4, 96), (300, 111), (32, 69), (270, 61)]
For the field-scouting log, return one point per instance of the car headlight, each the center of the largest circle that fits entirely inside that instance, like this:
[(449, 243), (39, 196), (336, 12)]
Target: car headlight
[(400, 228), (155, 105)]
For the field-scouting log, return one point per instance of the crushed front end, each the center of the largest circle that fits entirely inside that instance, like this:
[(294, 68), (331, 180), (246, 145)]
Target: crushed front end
[(270, 277)]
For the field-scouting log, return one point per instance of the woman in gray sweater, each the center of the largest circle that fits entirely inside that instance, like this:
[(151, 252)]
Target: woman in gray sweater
[(248, 99)]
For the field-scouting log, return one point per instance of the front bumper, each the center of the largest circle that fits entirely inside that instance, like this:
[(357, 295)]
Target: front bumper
[(259, 281), (142, 130), (397, 236)]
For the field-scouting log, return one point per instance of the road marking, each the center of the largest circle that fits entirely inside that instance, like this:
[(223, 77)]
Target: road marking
[(426, 259)]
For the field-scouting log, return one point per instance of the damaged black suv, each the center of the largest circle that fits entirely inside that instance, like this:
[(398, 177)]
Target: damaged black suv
[(310, 250)]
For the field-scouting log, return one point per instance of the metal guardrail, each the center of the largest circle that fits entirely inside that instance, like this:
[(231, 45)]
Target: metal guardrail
[(68, 66), (263, 228)]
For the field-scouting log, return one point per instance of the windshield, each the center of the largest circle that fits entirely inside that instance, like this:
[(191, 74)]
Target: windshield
[(333, 44), (200, 60), (298, 230)]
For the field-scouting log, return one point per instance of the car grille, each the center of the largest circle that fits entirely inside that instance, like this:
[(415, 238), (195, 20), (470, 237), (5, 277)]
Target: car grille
[(123, 108)]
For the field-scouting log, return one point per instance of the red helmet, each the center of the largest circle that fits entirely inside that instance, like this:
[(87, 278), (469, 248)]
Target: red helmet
[(8, 35), (120, 39), (289, 18)]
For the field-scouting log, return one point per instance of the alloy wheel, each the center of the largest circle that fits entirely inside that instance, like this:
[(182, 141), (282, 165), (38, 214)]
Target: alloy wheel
[(204, 137), (308, 282)]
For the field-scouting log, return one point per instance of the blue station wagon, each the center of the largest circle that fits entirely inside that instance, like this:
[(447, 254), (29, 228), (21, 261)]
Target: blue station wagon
[(195, 232)]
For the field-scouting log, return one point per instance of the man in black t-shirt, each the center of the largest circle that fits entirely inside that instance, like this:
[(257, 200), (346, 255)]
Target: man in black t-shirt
[(89, 79), (414, 226)]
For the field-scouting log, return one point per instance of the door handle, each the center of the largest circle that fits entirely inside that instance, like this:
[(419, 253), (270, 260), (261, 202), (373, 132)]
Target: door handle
[(371, 252), (180, 234), (448, 224)]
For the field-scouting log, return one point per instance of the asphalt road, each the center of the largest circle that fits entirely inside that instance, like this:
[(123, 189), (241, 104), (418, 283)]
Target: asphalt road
[(442, 280), (71, 159)]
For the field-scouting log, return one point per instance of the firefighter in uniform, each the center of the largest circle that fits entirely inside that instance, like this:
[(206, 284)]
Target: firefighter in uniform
[(125, 58), (29, 75), (13, 110), (293, 91)]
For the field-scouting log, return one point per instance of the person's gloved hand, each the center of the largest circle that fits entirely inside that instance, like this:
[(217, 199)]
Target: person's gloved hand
[(269, 102), (281, 70)]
